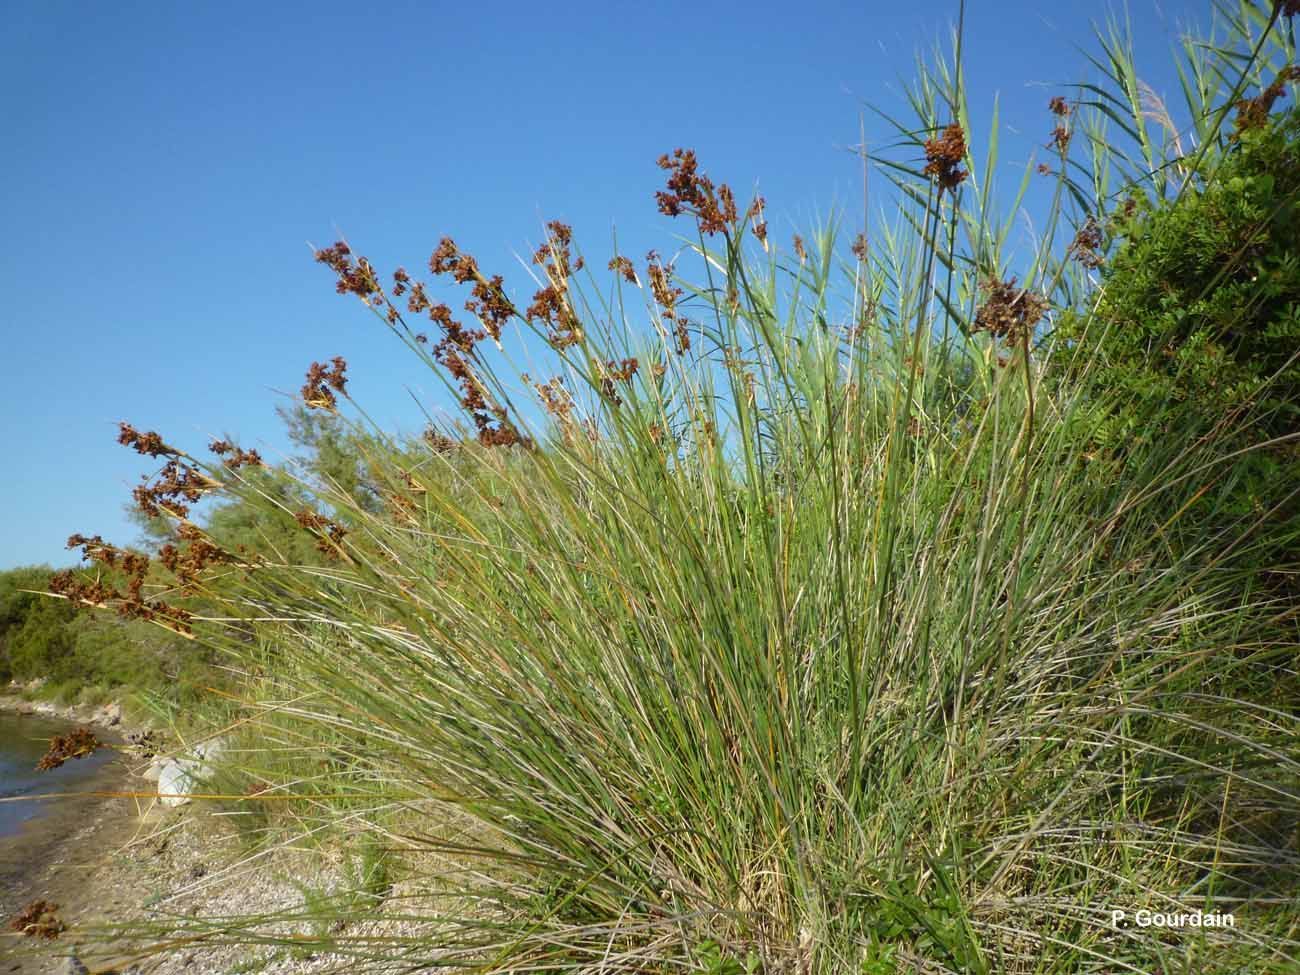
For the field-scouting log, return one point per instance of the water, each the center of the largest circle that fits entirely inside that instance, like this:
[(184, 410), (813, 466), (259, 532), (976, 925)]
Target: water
[(23, 740)]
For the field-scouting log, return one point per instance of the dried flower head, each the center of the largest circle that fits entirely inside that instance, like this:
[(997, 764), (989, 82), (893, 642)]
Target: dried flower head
[(692, 192), (550, 303), (1252, 113), (39, 919), (129, 603), (235, 457), (860, 248), (354, 276), (176, 487), (755, 215), (1087, 244), (1058, 106), (447, 258), (188, 563), (944, 155), (556, 399), (615, 372), (666, 295), (623, 266), (1008, 312), (329, 534), (323, 382), (439, 442), (147, 444), (488, 302), (76, 744)]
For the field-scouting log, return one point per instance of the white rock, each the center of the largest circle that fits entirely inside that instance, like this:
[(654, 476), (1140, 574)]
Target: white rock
[(178, 780), (154, 772)]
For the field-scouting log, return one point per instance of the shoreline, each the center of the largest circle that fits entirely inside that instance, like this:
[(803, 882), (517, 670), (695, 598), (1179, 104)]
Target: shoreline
[(51, 854), (107, 717)]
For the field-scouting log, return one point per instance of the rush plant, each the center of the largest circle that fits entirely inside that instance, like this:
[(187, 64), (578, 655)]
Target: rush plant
[(787, 627)]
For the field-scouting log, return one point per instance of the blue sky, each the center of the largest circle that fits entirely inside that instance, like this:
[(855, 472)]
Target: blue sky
[(167, 165)]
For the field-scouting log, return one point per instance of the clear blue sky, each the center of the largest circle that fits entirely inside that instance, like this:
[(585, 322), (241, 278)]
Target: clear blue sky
[(167, 163)]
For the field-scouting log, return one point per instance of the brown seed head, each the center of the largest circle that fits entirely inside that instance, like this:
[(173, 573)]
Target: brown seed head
[(944, 155), (148, 444), (1008, 312), (690, 191), (323, 382), (76, 744), (39, 919)]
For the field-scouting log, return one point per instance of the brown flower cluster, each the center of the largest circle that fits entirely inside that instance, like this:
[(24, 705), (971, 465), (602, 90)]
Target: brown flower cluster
[(1060, 134), (130, 603), (944, 155), (487, 301), (755, 216), (455, 353), (354, 277), (1087, 244), (551, 303), (617, 372), (556, 399), (329, 534), (1008, 312), (623, 266), (860, 248), (174, 482), (39, 919), (1252, 113), (236, 457), (440, 443), (176, 488), (77, 744), (800, 250), (323, 382), (148, 444), (447, 258), (188, 563), (666, 294), (691, 191)]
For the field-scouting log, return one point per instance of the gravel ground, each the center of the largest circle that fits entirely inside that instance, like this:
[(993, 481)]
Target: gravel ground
[(127, 858), (183, 861)]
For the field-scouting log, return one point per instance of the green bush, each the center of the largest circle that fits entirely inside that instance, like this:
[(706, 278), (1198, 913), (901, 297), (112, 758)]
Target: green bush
[(1197, 321), (89, 657)]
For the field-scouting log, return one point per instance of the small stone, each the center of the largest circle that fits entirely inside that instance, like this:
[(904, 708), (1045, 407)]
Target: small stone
[(72, 966)]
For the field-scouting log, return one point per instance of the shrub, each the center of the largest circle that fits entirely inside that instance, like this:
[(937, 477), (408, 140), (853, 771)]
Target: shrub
[(1197, 322)]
